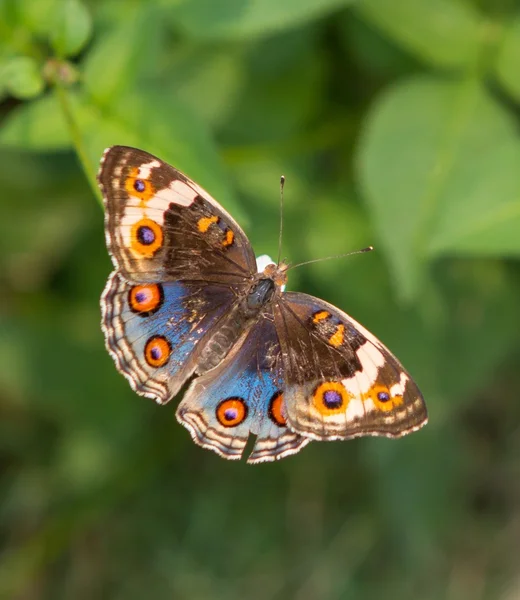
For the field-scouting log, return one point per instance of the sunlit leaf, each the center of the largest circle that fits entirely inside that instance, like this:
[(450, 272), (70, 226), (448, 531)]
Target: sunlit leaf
[(38, 125), (508, 59), (117, 60), (438, 163), (22, 78), (38, 16), (72, 27)]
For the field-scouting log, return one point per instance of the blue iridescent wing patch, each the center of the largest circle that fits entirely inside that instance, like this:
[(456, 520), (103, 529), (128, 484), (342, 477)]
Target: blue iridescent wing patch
[(242, 395), (152, 330)]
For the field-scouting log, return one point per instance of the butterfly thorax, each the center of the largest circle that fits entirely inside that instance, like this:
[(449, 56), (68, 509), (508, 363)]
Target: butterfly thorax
[(259, 296), (247, 310)]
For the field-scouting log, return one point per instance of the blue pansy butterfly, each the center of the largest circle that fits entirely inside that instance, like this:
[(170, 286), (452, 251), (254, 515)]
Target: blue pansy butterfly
[(186, 298)]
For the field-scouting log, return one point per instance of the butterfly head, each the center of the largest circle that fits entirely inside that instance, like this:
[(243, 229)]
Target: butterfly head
[(278, 273), (267, 269)]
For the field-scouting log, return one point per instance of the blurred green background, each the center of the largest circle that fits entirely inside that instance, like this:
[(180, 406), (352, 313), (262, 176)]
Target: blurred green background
[(396, 123)]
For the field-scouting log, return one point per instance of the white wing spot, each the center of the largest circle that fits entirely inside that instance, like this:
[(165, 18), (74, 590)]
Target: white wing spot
[(146, 169), (355, 409), (183, 193)]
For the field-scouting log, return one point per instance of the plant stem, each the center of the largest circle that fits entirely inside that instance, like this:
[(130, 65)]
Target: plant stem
[(77, 140)]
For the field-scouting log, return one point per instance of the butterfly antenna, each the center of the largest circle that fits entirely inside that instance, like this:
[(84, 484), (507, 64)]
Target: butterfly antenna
[(282, 184), (308, 262)]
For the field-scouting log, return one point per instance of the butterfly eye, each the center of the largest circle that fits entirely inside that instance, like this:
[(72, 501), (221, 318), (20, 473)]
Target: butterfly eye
[(330, 398), (275, 410), (231, 412), (157, 351), (145, 299)]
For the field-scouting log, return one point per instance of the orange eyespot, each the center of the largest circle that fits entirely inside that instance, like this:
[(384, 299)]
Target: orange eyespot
[(231, 412), (157, 351), (146, 237), (330, 398), (320, 316), (275, 411), (145, 299), (336, 339), (382, 398), (205, 222), (228, 238), (140, 188)]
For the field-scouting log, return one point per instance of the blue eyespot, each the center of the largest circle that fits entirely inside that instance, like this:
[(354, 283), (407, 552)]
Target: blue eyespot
[(332, 399), (145, 235), (139, 185), (383, 396)]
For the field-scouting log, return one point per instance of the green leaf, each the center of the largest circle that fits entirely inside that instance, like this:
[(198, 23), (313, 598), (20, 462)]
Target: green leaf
[(21, 77), (10, 24), (439, 165), (39, 17), (508, 60), (170, 131), (37, 125), (142, 120), (197, 72), (480, 210), (443, 33), (72, 28), (122, 55), (242, 19)]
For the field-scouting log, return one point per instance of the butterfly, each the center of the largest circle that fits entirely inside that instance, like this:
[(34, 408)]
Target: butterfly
[(186, 299)]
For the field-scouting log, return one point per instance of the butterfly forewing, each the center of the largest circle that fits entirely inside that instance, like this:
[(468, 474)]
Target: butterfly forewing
[(161, 226), (341, 381)]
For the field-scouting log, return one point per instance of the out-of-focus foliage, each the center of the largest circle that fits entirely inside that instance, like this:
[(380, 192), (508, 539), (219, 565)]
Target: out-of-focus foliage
[(396, 124)]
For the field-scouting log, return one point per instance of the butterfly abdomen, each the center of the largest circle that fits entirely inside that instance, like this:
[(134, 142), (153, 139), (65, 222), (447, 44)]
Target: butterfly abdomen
[(219, 345)]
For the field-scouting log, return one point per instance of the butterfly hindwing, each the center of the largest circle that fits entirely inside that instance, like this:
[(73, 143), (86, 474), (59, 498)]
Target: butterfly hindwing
[(161, 226), (152, 330), (341, 381), (242, 395)]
